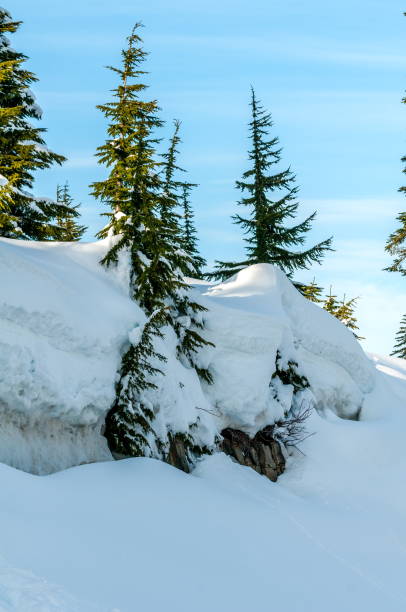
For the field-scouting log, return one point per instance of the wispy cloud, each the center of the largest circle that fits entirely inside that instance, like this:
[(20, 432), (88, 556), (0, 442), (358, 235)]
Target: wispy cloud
[(85, 161), (304, 48), (340, 210)]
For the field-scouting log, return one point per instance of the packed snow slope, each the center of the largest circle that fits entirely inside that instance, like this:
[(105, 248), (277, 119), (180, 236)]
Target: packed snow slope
[(64, 320)]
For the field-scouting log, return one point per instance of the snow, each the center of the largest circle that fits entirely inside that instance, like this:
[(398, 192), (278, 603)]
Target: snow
[(138, 534), (257, 313), (64, 320)]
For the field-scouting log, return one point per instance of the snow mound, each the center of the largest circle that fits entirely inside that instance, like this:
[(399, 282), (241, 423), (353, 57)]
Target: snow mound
[(259, 312), (64, 320)]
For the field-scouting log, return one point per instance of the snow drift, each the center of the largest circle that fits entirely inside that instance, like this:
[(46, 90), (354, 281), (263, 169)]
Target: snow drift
[(64, 320)]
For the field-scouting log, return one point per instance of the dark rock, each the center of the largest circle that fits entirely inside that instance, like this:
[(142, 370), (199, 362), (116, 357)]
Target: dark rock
[(177, 455), (262, 452)]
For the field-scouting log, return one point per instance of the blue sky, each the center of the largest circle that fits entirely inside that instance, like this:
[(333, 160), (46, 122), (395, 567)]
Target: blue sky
[(332, 74)]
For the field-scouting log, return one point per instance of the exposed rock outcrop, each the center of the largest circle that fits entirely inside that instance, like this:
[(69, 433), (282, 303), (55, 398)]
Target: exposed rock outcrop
[(262, 452)]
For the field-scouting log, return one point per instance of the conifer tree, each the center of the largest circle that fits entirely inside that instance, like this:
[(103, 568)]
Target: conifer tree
[(188, 319), (396, 246), (177, 197), (399, 350), (312, 292), (129, 422), (73, 231), (189, 232), (331, 303), (271, 202), (142, 225), (22, 149), (345, 314), (343, 311)]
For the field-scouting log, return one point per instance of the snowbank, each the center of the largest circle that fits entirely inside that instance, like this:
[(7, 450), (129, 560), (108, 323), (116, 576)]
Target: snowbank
[(259, 312), (64, 320)]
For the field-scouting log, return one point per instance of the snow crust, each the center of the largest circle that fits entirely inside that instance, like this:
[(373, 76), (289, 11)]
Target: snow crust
[(64, 320)]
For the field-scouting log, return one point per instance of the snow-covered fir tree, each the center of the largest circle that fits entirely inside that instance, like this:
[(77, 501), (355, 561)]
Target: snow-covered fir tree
[(399, 350), (22, 149), (67, 221), (271, 202), (129, 423), (143, 227)]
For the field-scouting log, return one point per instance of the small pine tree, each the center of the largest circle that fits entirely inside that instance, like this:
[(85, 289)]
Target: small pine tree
[(22, 149), (399, 350), (343, 311), (268, 238), (67, 221), (143, 225), (331, 303), (189, 241), (345, 314), (312, 292)]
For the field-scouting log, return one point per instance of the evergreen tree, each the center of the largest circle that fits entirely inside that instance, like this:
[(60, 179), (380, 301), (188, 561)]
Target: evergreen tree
[(399, 350), (343, 311), (331, 303), (143, 226), (129, 422), (312, 292), (345, 314), (170, 201), (271, 201), (67, 221), (177, 197), (188, 313), (190, 240), (22, 149), (396, 246)]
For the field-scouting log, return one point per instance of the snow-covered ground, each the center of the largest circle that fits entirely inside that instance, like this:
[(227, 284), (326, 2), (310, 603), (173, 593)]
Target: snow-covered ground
[(137, 534), (140, 535)]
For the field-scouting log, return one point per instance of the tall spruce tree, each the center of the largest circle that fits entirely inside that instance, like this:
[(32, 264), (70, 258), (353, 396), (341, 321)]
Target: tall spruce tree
[(396, 246), (177, 197), (271, 201), (22, 149), (73, 231), (399, 350), (189, 238), (142, 226)]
